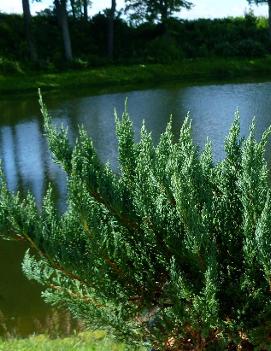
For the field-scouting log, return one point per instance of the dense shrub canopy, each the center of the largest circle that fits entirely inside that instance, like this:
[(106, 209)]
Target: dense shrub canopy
[(173, 250)]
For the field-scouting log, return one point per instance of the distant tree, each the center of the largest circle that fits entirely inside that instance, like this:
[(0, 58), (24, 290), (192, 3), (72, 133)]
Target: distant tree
[(155, 10), (73, 6), (268, 2), (28, 32), (111, 18), (62, 17), (80, 8), (86, 3)]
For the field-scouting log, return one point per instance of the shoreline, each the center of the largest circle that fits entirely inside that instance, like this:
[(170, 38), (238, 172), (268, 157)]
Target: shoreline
[(106, 79)]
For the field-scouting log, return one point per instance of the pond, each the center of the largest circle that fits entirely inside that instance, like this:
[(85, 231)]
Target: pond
[(28, 166)]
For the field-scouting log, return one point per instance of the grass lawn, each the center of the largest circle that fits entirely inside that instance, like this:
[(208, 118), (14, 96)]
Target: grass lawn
[(86, 341)]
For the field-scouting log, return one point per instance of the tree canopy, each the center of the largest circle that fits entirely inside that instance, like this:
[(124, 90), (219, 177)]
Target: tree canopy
[(268, 2), (257, 2), (155, 10)]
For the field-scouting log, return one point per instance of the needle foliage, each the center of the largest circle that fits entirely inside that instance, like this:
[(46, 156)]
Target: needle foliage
[(172, 251)]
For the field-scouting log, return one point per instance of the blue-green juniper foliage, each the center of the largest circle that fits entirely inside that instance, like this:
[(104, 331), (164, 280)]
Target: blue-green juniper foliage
[(173, 250)]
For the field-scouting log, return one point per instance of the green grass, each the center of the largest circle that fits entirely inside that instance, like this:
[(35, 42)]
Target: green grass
[(86, 341), (187, 71)]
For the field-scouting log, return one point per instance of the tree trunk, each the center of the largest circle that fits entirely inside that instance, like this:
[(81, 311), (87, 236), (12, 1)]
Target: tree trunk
[(111, 18), (73, 9), (164, 11), (28, 33), (85, 5), (269, 19), (62, 17)]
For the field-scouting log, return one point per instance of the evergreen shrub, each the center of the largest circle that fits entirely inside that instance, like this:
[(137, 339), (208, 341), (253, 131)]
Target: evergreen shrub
[(171, 252)]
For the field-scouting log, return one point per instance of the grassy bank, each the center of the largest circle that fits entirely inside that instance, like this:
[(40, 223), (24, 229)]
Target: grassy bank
[(87, 341), (188, 71)]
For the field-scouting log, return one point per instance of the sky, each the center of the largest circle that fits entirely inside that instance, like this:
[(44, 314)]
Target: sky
[(202, 8)]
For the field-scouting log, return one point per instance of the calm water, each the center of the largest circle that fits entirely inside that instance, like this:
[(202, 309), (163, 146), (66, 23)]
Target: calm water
[(27, 163)]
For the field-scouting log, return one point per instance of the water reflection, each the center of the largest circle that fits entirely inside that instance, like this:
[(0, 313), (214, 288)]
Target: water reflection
[(27, 161)]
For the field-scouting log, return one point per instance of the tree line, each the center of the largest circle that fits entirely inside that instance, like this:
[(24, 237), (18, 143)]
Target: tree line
[(152, 21), (149, 9)]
